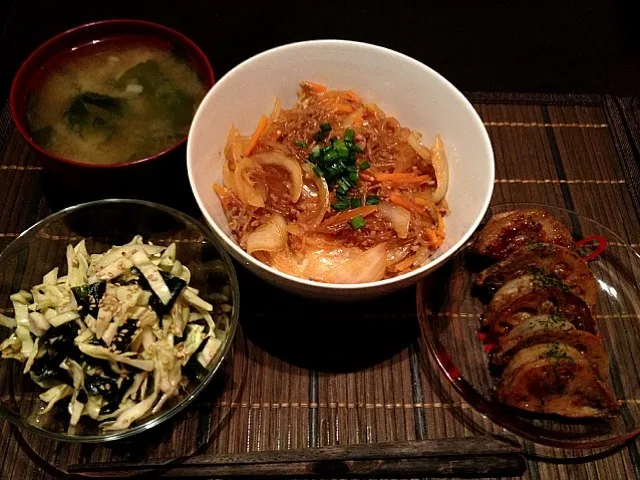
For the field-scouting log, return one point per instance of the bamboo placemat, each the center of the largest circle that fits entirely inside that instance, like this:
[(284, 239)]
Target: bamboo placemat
[(312, 374)]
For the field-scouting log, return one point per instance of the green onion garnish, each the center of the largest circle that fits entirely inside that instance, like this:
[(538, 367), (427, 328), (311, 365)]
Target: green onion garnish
[(356, 202), (372, 200), (336, 161), (300, 143), (357, 222), (341, 196), (364, 165), (349, 135), (330, 156), (341, 205), (344, 183)]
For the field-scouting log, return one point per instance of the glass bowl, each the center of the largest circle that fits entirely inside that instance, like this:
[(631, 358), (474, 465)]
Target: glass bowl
[(102, 224), (449, 322)]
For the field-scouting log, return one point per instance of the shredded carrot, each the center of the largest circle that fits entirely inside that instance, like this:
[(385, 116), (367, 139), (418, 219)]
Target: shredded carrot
[(316, 87), (402, 178), (406, 263), (408, 204), (346, 216), (224, 194), (436, 238), (405, 203), (262, 124), (220, 190)]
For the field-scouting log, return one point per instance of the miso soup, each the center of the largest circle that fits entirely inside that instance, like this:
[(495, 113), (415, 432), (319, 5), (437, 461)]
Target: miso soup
[(113, 102)]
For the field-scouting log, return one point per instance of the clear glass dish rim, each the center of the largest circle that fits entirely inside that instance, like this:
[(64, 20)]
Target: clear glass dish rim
[(490, 408), (235, 314)]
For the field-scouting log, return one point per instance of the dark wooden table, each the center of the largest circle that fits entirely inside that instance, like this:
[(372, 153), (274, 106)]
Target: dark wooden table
[(579, 152)]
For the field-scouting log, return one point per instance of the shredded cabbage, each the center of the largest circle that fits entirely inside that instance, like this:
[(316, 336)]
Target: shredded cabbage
[(38, 323), (152, 274), (51, 278), (131, 414), (114, 307), (192, 298), (102, 353), (195, 336), (63, 318), (53, 395), (10, 348), (208, 352), (7, 322)]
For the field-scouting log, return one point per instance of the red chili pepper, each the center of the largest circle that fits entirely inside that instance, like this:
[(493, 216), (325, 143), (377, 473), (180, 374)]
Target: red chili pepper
[(454, 372), (488, 347), (601, 246)]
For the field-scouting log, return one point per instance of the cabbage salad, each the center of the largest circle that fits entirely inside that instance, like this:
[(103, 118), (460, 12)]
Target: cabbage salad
[(118, 336)]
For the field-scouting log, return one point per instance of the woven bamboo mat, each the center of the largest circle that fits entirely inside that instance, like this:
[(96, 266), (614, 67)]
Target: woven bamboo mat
[(306, 374)]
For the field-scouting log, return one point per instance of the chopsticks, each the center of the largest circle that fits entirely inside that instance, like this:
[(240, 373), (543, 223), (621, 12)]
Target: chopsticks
[(456, 457)]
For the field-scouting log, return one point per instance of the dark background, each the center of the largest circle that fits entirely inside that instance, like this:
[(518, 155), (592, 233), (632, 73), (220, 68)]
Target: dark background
[(512, 45)]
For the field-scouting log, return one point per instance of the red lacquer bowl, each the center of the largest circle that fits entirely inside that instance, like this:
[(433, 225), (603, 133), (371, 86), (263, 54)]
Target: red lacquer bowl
[(23, 82)]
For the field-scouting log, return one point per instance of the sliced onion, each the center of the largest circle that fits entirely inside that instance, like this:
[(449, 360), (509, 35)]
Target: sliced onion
[(398, 253), (230, 161), (268, 237), (369, 266), (291, 165), (399, 217), (421, 257), (322, 204), (228, 177), (228, 146), (275, 113), (238, 146), (441, 168), (321, 259), (244, 187), (284, 262), (420, 149)]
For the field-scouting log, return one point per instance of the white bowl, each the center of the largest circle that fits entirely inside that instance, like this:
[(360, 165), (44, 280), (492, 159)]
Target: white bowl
[(416, 95)]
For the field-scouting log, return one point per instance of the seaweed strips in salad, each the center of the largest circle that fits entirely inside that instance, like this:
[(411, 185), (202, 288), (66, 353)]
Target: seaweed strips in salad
[(118, 336)]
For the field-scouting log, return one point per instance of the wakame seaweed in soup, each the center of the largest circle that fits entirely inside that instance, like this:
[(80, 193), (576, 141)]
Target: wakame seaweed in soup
[(113, 102)]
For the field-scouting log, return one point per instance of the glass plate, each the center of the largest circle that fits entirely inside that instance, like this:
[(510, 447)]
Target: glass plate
[(449, 316)]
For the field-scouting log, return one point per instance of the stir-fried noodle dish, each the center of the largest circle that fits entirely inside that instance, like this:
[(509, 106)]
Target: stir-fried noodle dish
[(334, 190)]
